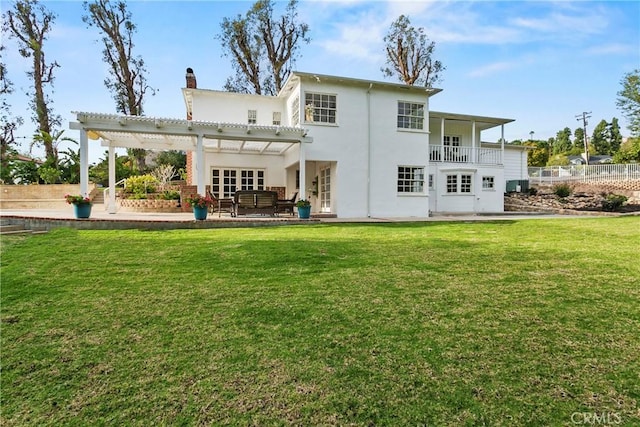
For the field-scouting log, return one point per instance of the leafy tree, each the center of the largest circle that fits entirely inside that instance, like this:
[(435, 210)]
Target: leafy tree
[(175, 158), (29, 22), (578, 141), (615, 137), (629, 152), (9, 125), (262, 47), (539, 156), (99, 173), (558, 160), (410, 54), (629, 100), (127, 81), (70, 166), (600, 139), (562, 143), (25, 172)]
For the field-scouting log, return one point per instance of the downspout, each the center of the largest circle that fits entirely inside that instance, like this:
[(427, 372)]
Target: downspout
[(369, 150)]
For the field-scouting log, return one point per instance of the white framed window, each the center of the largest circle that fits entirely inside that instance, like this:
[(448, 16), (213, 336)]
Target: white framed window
[(225, 182), (277, 118), (320, 108), (465, 183), (252, 117), (410, 115), (410, 179), (295, 111), (459, 183), (488, 183), (452, 183)]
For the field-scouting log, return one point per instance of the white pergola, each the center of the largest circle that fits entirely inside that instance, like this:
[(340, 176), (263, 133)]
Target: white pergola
[(118, 131)]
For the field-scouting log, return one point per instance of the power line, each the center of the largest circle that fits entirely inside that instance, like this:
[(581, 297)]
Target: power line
[(584, 116)]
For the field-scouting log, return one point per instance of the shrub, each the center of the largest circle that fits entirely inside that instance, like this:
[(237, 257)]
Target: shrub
[(562, 190), (533, 191), (170, 195), (141, 184), (614, 202), (49, 175)]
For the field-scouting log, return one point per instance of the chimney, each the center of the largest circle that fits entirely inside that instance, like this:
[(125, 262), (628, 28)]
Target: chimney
[(191, 79)]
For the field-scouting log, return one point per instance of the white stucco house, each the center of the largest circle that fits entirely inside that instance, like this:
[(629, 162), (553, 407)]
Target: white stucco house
[(355, 148)]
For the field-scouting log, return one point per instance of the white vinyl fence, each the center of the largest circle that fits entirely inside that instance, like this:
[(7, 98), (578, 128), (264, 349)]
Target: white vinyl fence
[(584, 173)]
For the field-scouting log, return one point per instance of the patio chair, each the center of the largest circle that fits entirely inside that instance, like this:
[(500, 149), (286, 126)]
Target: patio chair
[(286, 205), (220, 204)]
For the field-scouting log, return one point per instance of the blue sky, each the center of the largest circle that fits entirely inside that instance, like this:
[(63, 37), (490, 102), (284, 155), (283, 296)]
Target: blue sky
[(540, 63)]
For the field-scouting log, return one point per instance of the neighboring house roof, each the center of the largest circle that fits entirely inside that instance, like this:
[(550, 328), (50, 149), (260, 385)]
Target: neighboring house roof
[(596, 159)]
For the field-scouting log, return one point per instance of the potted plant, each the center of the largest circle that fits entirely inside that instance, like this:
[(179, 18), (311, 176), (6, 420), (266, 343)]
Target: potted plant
[(304, 208), (200, 205), (81, 205)]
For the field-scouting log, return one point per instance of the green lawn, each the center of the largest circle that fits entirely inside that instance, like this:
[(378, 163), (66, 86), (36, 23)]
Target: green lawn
[(507, 323)]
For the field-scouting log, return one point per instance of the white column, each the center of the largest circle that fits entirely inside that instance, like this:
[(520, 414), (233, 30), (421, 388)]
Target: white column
[(473, 141), (303, 175), (502, 144), (200, 175), (112, 180), (442, 139), (84, 163)]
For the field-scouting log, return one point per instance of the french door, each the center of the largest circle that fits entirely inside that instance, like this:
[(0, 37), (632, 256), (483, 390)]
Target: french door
[(325, 190), (225, 182)]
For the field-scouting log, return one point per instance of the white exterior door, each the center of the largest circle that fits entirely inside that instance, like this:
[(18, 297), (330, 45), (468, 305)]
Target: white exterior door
[(325, 190)]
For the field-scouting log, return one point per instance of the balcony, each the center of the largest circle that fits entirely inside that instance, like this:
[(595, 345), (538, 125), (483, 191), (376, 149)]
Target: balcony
[(478, 155)]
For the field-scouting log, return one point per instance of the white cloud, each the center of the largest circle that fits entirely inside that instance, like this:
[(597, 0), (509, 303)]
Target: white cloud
[(612, 49), (493, 68)]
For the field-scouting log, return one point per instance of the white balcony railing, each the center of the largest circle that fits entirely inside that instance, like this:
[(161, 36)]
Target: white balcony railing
[(448, 154)]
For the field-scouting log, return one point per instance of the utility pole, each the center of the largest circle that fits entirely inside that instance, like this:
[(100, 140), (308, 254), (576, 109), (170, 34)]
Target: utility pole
[(584, 116)]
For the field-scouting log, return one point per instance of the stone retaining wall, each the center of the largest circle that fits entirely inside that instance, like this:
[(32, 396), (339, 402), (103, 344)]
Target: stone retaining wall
[(147, 205), (37, 196)]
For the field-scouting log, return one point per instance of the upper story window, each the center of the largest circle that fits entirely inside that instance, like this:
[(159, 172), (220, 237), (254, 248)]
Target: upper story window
[(295, 111), (410, 115), (277, 118), (319, 108), (410, 179), (252, 117)]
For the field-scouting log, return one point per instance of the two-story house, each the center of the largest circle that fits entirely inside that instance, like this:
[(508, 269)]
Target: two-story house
[(377, 150), (355, 148)]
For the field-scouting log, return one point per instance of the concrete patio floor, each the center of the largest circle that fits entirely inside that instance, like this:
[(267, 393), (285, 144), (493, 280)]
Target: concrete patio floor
[(46, 219)]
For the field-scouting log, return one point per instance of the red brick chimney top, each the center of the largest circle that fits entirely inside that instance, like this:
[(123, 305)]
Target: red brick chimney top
[(191, 79)]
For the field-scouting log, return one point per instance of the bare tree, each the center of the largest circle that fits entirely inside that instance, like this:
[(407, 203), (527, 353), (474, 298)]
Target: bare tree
[(262, 47), (29, 22), (410, 54), (127, 81), (9, 123)]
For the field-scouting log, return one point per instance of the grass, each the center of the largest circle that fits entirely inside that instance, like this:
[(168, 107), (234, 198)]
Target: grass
[(461, 324)]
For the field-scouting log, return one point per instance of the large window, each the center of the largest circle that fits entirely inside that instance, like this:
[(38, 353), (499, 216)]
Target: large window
[(410, 115), (459, 183), (225, 182), (410, 179), (320, 108)]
